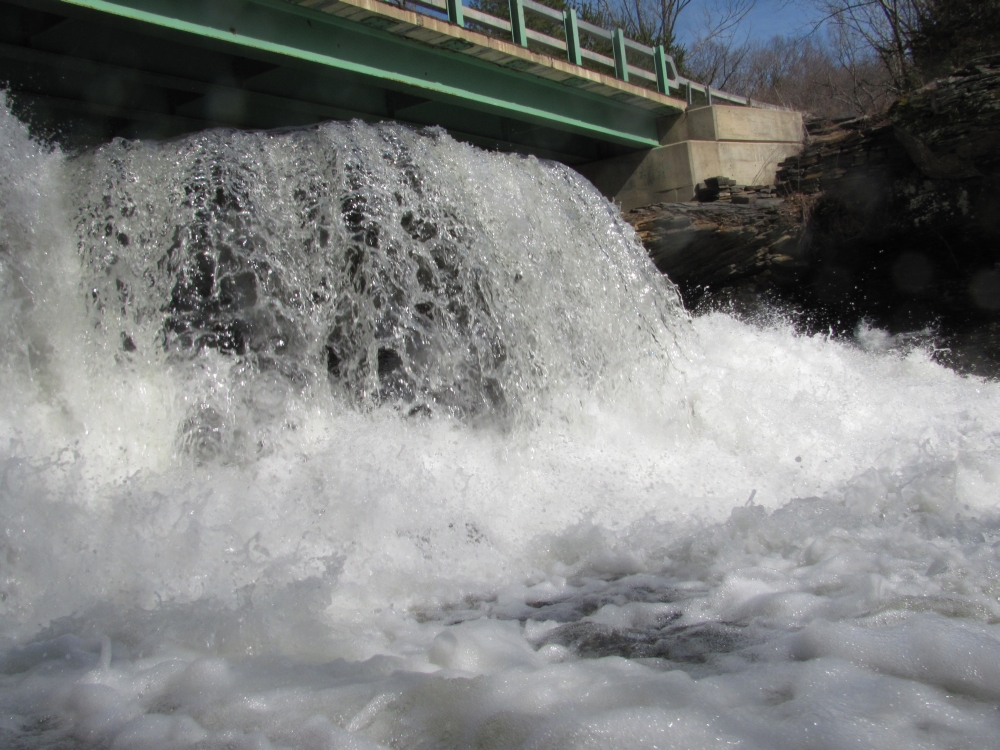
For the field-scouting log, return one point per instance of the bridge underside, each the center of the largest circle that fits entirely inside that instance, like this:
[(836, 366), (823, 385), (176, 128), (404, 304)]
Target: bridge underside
[(84, 71)]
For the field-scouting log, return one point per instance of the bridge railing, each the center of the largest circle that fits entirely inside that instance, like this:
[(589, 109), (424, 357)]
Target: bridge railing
[(660, 74)]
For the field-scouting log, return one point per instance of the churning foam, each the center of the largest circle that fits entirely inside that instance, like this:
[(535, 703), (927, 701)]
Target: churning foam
[(357, 436)]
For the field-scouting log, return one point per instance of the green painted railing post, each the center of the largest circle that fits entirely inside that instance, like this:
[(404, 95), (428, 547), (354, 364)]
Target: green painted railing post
[(517, 31), (455, 14), (572, 36), (660, 64), (621, 64)]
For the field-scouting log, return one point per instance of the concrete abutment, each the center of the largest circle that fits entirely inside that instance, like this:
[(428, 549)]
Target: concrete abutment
[(743, 143)]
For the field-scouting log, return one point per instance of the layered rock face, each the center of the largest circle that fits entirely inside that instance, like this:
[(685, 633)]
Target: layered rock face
[(709, 246), (896, 222), (906, 223)]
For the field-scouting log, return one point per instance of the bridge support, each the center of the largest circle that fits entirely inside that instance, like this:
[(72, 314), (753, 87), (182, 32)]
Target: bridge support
[(743, 143)]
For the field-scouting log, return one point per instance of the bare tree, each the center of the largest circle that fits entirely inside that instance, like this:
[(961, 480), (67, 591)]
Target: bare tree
[(810, 74), (719, 64), (654, 22), (725, 53), (887, 27), (650, 22), (860, 80), (721, 24)]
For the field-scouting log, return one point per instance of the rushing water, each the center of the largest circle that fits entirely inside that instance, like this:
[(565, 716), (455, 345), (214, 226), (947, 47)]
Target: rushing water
[(355, 436)]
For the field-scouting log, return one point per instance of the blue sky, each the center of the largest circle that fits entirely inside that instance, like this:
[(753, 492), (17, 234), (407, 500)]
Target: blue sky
[(769, 18)]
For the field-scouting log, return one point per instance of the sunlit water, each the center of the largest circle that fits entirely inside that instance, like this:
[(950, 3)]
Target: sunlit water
[(356, 437)]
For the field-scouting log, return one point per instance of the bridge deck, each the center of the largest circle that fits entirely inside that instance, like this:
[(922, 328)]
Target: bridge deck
[(94, 69)]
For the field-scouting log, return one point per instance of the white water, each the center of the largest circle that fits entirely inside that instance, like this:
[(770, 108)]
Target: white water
[(560, 514)]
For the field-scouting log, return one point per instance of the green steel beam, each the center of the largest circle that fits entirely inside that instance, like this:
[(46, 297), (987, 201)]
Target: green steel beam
[(621, 61), (572, 26), (286, 33), (518, 30), (455, 13), (660, 64)]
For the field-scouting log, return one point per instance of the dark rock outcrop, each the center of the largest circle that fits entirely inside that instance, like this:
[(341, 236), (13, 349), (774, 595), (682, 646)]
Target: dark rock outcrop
[(951, 128), (905, 229), (703, 246)]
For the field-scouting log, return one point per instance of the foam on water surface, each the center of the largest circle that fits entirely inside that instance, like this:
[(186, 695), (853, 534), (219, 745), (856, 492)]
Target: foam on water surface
[(360, 437)]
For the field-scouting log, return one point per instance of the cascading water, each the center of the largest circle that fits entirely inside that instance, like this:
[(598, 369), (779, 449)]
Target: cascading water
[(357, 436)]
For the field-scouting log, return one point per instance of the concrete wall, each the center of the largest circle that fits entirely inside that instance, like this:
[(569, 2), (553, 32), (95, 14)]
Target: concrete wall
[(749, 163), (727, 123), (743, 143), (661, 174)]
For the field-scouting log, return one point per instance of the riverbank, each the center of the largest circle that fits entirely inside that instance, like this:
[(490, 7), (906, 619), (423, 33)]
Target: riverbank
[(891, 222)]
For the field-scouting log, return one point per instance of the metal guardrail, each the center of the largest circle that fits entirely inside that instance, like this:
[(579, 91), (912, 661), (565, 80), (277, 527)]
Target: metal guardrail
[(664, 71)]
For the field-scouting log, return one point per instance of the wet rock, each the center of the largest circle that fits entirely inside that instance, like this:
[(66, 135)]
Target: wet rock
[(904, 228), (684, 644), (725, 189), (705, 246)]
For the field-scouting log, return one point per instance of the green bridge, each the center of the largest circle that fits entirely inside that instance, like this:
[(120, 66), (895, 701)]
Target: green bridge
[(88, 70)]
